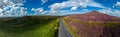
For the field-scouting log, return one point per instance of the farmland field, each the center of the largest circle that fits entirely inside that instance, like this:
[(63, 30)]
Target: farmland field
[(29, 26)]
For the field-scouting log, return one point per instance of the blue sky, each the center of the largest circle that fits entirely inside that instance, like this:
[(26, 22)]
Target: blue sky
[(39, 7), (29, 4), (37, 3)]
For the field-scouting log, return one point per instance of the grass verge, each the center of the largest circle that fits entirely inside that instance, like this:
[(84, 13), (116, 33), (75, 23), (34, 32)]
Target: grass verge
[(69, 29)]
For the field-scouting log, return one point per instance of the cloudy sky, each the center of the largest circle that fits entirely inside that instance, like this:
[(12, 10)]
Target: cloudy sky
[(58, 7)]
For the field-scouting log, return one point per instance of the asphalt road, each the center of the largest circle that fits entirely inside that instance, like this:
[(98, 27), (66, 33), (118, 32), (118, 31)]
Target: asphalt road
[(63, 32)]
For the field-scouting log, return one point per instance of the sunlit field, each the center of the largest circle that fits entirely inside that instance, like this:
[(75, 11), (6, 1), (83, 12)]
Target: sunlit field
[(28, 26)]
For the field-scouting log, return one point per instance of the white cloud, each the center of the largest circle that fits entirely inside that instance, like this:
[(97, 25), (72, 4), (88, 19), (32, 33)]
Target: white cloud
[(74, 8), (110, 11), (12, 8), (1, 10), (69, 12), (43, 1), (38, 11), (74, 4), (5, 1), (118, 4)]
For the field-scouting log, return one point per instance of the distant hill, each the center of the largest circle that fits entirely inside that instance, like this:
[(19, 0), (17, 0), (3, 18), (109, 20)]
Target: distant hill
[(93, 24), (96, 17), (26, 20)]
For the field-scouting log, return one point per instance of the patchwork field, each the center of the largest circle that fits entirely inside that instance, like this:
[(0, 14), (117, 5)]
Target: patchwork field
[(29, 26)]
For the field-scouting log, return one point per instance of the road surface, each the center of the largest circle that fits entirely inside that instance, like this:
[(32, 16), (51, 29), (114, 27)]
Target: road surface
[(63, 32)]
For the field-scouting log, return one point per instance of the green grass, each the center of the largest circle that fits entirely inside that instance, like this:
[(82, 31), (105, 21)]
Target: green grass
[(44, 27)]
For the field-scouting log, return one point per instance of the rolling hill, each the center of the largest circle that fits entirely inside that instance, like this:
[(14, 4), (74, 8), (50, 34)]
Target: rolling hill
[(29, 26), (93, 24)]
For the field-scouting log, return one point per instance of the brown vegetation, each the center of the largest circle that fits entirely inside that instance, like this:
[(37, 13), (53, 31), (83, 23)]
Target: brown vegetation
[(94, 24)]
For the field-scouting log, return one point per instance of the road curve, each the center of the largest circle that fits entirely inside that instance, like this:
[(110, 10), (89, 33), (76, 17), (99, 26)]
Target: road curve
[(63, 32)]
